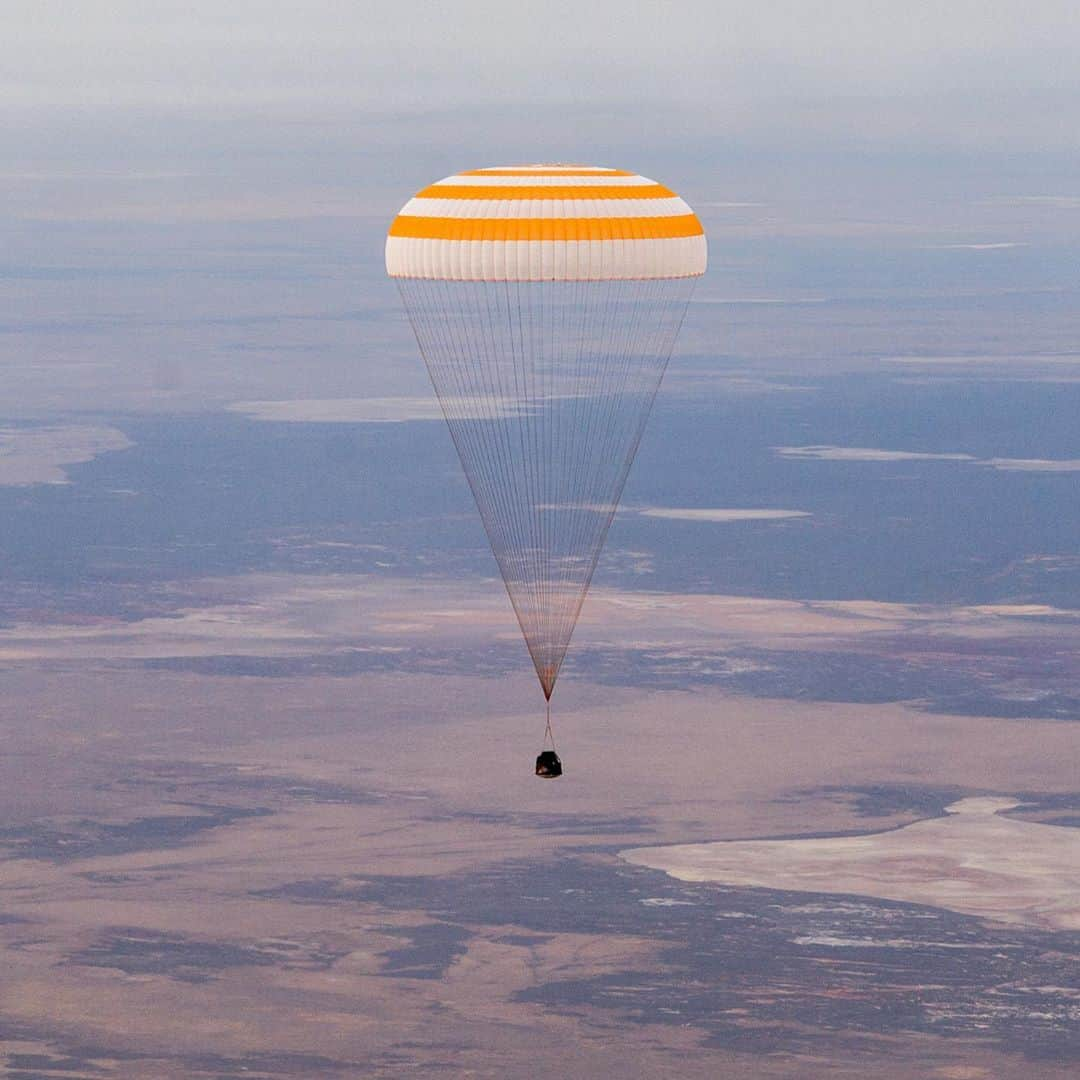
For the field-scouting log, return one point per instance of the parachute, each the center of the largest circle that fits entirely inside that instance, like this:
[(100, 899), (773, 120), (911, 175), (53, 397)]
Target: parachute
[(546, 300)]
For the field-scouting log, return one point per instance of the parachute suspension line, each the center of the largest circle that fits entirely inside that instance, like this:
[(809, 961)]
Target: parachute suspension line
[(627, 369), (546, 387), (526, 318), (549, 735), (463, 349)]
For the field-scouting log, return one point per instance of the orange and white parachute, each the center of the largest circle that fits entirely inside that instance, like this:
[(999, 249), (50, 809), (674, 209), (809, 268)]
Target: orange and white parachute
[(546, 300), (545, 223)]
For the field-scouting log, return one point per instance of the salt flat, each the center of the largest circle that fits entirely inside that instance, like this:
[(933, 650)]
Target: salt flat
[(974, 860), (37, 455)]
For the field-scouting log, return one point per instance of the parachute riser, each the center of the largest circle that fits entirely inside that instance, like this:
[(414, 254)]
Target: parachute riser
[(548, 764)]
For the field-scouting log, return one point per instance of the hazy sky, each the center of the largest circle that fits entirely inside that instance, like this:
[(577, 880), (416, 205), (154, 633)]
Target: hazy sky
[(234, 160), (980, 70)]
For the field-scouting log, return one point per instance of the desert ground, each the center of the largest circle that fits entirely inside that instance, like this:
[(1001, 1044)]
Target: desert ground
[(355, 874)]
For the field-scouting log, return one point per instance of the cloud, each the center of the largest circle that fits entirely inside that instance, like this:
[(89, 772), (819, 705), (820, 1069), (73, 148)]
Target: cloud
[(718, 515), (982, 247), (865, 453), (1010, 358), (375, 410), (387, 410), (1063, 465), (861, 453), (675, 513)]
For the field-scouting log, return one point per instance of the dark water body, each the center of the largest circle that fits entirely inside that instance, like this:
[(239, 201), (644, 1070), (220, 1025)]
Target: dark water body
[(221, 494)]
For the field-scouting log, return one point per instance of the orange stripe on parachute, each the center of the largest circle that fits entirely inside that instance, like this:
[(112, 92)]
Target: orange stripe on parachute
[(621, 228), (554, 191)]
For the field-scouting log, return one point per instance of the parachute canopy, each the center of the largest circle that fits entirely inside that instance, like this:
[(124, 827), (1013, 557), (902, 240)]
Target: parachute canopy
[(545, 223), (546, 300)]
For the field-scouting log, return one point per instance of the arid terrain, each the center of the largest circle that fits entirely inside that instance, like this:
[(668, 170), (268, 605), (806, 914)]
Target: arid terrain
[(341, 875)]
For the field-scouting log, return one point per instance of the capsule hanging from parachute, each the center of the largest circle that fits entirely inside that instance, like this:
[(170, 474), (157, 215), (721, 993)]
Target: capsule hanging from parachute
[(546, 300)]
